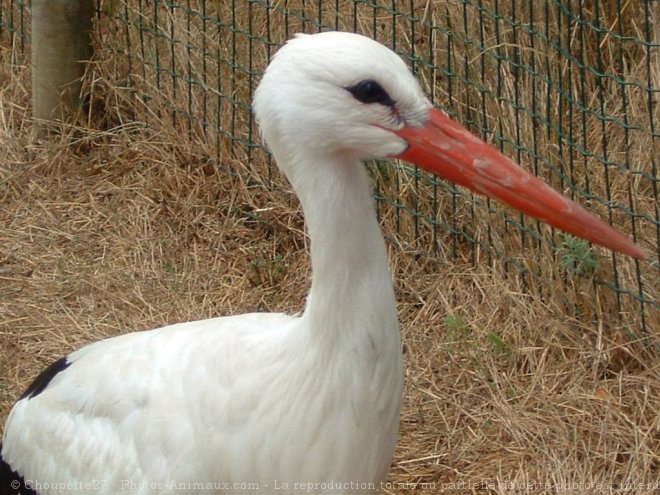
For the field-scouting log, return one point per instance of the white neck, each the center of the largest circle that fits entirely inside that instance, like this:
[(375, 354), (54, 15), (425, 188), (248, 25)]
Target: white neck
[(351, 298), (349, 328)]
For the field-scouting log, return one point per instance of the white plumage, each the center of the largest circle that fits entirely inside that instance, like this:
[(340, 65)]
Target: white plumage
[(270, 401)]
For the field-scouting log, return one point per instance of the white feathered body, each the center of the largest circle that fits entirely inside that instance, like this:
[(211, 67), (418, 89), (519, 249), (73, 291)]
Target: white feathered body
[(226, 403), (283, 402)]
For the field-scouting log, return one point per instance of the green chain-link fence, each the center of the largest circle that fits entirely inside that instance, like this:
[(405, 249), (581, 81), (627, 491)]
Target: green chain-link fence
[(569, 89), (14, 17)]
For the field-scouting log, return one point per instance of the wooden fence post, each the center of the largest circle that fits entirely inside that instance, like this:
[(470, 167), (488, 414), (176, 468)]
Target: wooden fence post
[(61, 44)]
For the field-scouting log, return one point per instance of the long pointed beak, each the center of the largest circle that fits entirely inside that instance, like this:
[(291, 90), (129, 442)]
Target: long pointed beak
[(447, 150)]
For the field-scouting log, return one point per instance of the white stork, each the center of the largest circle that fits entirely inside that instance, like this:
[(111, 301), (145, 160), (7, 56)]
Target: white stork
[(275, 402)]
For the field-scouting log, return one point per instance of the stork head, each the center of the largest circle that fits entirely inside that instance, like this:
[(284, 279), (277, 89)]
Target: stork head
[(343, 95), (340, 92)]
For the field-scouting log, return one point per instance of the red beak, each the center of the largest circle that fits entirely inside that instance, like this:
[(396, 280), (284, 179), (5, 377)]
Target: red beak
[(447, 150)]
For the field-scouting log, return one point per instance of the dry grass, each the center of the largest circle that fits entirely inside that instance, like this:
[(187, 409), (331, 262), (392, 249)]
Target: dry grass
[(115, 226)]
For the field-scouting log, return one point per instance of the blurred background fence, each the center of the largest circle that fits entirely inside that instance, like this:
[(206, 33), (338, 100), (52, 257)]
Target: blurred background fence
[(569, 89)]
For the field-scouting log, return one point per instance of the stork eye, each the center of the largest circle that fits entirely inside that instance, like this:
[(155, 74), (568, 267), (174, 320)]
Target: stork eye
[(369, 91)]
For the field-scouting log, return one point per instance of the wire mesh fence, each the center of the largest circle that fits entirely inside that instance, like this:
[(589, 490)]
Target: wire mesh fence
[(569, 89), (14, 17)]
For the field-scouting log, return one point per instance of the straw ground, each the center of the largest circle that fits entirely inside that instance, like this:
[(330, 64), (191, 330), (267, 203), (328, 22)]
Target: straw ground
[(114, 227)]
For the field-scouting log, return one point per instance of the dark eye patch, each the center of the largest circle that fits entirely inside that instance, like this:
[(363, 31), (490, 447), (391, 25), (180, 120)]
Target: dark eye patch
[(369, 91)]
